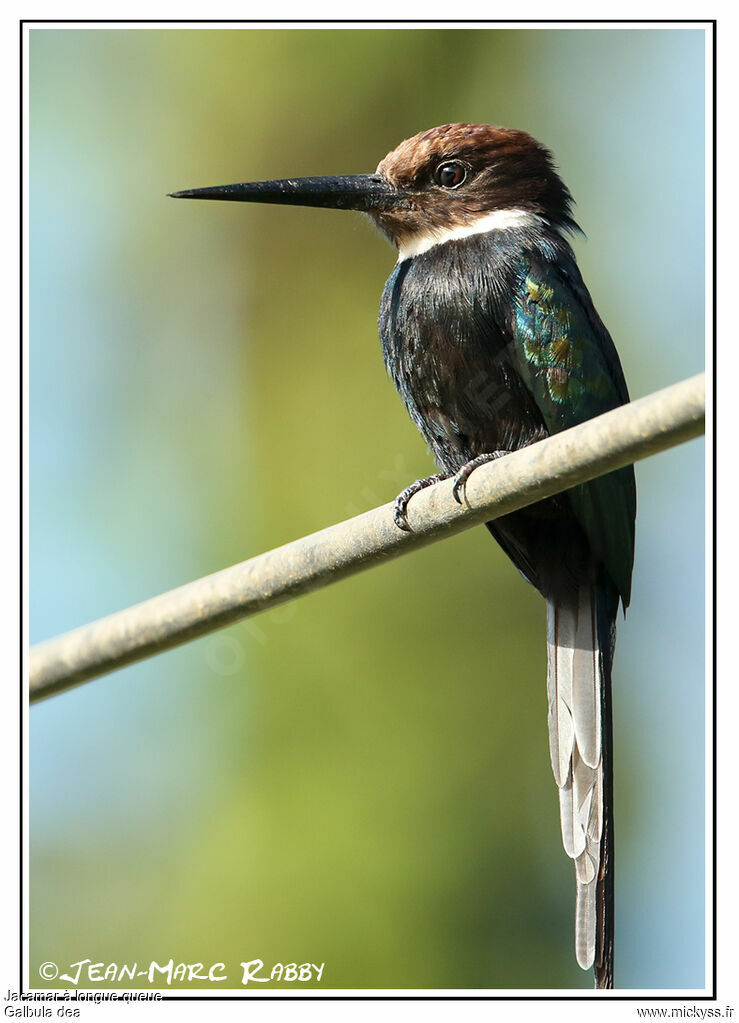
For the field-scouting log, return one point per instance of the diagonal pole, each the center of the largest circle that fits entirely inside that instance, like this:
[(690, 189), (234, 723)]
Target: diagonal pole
[(627, 434)]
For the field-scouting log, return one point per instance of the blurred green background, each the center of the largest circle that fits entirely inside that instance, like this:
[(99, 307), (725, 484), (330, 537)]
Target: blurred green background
[(360, 778)]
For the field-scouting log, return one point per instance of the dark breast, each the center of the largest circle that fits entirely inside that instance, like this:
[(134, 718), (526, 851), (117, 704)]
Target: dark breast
[(443, 329)]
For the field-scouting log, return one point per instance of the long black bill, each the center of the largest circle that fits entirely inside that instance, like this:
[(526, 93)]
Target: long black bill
[(363, 192)]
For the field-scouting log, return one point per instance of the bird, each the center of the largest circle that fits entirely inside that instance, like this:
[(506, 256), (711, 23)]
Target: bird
[(493, 342)]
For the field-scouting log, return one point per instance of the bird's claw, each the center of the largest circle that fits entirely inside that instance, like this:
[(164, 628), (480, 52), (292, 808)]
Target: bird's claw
[(400, 517), (460, 480)]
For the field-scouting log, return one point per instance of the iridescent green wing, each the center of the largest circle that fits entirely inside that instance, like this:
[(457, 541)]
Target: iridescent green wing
[(569, 363)]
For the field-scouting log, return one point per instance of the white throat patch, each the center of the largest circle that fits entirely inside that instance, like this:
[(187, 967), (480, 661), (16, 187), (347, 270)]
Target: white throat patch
[(498, 220)]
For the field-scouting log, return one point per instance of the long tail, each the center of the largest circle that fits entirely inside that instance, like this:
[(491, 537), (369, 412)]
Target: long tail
[(580, 640)]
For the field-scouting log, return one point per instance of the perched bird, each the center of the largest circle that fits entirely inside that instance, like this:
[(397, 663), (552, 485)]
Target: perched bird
[(493, 343)]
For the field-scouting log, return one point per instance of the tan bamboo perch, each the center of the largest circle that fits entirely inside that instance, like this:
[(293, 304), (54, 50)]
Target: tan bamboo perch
[(627, 434)]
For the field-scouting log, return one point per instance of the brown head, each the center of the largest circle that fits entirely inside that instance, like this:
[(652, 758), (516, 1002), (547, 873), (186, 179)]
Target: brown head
[(449, 181), (458, 173)]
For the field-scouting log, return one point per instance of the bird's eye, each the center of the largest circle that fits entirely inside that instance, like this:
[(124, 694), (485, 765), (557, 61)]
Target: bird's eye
[(451, 174)]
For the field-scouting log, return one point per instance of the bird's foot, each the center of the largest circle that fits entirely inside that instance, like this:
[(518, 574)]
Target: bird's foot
[(460, 480), (401, 501)]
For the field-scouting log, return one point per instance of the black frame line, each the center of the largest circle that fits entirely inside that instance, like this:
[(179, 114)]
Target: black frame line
[(710, 24)]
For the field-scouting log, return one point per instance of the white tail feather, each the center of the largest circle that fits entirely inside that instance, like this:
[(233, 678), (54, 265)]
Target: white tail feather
[(585, 925), (573, 687), (559, 685), (573, 838), (585, 686), (595, 823), (585, 868)]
